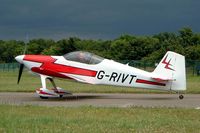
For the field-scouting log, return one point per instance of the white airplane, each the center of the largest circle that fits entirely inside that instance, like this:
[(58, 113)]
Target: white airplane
[(86, 67)]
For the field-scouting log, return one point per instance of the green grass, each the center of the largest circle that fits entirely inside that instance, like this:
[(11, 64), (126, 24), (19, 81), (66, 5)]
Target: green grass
[(193, 84), (93, 119), (28, 83)]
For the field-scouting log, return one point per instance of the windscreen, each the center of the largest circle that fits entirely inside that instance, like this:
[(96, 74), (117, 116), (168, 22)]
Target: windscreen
[(83, 57)]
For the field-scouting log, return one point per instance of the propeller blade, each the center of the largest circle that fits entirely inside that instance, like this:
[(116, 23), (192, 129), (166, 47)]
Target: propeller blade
[(20, 72), (25, 47)]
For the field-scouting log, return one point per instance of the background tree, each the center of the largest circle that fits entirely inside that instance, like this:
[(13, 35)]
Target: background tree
[(126, 47)]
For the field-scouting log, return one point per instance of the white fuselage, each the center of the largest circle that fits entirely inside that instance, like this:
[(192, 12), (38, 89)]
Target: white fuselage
[(110, 72)]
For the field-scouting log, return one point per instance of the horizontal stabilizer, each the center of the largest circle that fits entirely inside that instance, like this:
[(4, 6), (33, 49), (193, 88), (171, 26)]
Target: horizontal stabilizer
[(162, 79)]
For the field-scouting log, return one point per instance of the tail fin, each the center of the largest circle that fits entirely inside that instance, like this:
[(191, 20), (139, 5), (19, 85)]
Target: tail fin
[(172, 68)]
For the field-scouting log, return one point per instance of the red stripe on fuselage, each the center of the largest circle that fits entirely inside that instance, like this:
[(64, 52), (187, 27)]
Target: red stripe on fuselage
[(142, 81), (48, 72), (48, 65)]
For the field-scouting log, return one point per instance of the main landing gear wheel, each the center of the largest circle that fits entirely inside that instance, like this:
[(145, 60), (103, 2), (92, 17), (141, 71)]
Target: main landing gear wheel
[(42, 97), (181, 96)]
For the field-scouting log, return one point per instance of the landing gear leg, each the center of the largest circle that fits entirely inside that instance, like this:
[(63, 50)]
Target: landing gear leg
[(54, 86), (57, 89), (53, 83), (45, 93)]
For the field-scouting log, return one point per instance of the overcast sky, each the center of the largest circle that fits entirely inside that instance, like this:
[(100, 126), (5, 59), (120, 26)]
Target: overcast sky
[(95, 19)]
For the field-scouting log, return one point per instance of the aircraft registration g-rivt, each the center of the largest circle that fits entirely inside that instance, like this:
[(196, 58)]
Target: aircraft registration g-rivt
[(169, 75)]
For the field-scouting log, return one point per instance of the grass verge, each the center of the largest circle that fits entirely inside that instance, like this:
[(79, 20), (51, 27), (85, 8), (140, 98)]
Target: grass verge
[(93, 119)]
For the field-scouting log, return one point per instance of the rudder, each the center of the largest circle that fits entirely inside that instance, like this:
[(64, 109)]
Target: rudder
[(172, 69)]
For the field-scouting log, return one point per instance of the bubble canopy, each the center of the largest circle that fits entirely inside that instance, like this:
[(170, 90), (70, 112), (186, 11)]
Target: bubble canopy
[(83, 57)]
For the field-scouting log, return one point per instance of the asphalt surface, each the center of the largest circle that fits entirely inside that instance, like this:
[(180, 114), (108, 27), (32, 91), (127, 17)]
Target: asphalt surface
[(104, 100)]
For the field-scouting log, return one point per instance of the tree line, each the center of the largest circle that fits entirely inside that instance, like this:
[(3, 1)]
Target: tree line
[(125, 47)]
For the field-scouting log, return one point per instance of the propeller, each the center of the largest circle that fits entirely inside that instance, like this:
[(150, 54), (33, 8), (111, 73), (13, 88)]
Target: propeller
[(19, 59), (20, 72)]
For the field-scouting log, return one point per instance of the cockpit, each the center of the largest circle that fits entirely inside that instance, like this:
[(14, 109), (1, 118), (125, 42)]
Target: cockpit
[(83, 57)]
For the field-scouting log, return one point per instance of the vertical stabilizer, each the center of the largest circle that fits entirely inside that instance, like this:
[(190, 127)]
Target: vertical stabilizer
[(172, 68)]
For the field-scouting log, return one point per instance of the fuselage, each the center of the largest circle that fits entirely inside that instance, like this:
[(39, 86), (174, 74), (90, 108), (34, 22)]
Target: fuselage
[(90, 68), (106, 72)]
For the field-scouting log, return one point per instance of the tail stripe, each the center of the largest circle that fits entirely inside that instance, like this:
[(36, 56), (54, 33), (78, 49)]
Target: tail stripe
[(142, 81)]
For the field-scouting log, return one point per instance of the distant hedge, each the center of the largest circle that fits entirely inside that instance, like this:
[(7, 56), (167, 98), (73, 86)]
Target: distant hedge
[(126, 47)]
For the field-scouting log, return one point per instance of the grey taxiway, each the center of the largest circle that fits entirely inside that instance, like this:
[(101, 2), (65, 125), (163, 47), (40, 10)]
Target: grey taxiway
[(104, 100)]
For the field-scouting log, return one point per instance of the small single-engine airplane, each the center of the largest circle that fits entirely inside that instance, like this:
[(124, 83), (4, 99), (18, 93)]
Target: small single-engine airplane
[(86, 67)]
